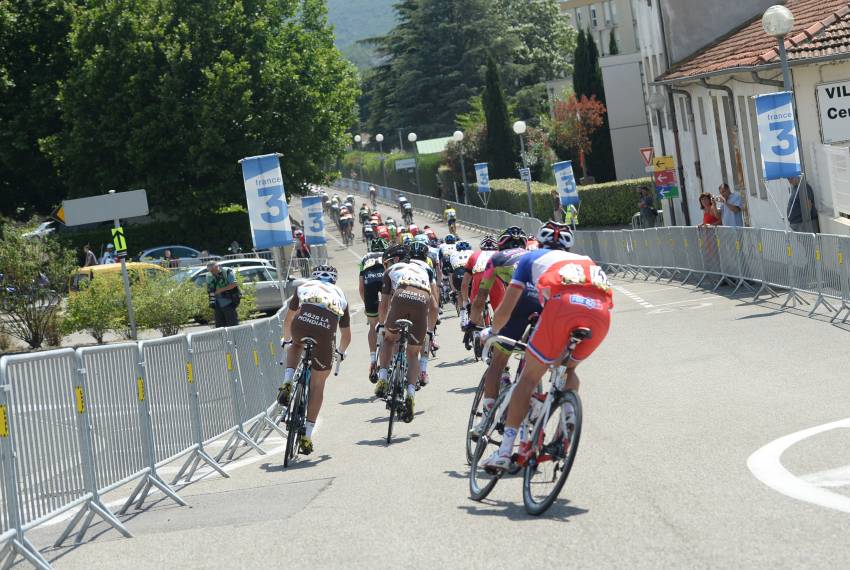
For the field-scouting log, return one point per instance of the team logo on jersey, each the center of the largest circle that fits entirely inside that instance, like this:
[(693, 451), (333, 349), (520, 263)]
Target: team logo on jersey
[(585, 301)]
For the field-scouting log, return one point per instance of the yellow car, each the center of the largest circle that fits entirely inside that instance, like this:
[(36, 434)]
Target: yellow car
[(136, 270)]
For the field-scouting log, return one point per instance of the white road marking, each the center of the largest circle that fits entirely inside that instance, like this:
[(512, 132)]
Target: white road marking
[(766, 466), (838, 477), (634, 297), (676, 303)]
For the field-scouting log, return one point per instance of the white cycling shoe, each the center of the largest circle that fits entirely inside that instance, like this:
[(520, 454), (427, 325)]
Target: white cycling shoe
[(497, 462)]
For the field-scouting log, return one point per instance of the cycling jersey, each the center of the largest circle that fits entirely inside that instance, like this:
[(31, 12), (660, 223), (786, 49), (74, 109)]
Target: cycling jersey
[(555, 272), (457, 260), (413, 229), (434, 256), (372, 272), (324, 295), (497, 277), (446, 251), (410, 274), (476, 265), (406, 236), (383, 232), (450, 215)]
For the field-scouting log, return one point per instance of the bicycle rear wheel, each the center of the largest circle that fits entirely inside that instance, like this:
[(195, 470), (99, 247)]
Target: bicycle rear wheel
[(395, 401), (474, 415), (482, 481), (545, 474), (294, 423)]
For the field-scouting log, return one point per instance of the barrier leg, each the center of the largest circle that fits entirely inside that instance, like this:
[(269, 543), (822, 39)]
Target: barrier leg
[(198, 456), (91, 508), (151, 479), (795, 297), (21, 545), (821, 300)]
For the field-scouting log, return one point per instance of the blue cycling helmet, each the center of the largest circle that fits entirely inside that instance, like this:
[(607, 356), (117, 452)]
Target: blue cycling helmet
[(463, 246), (450, 239), (421, 238)]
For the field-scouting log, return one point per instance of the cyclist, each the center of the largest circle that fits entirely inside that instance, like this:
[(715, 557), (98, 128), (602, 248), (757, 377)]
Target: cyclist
[(420, 255), (447, 248), (404, 236), (326, 201), (406, 294), (317, 308), (364, 213), (401, 201), (457, 271), (373, 192), (450, 215), (475, 267), (511, 238), (429, 231), (575, 293), (369, 233), (392, 231), (407, 212), (371, 281), (433, 252), (346, 224), (335, 210), (413, 229)]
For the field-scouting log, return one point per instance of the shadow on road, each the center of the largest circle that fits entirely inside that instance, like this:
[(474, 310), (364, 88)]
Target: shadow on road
[(469, 390), (382, 442), (358, 401), (467, 360), (385, 419), (560, 511), (300, 463), (456, 474)]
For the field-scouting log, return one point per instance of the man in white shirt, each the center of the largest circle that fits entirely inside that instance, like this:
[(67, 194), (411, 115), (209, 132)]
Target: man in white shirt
[(731, 207)]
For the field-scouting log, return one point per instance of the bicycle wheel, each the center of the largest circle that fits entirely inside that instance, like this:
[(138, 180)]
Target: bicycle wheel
[(294, 423), (481, 481), (394, 399), (475, 415), (545, 474)]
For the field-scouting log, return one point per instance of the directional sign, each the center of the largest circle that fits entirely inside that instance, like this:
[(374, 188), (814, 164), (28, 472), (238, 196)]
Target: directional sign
[(59, 215), (525, 174), (667, 192), (665, 177), (105, 208), (663, 163), (405, 164), (118, 241)]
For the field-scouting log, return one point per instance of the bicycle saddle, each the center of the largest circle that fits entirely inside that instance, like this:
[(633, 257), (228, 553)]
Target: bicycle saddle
[(309, 340), (404, 323), (582, 333)]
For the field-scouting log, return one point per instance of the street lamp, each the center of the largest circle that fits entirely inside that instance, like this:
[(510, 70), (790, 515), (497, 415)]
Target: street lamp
[(359, 139), (380, 138), (778, 21), (412, 138), (520, 128), (458, 137)]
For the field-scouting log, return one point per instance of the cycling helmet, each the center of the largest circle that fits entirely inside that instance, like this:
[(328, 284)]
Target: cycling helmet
[(397, 252), (418, 251), (489, 243), (513, 238), (463, 246), (325, 273), (450, 239), (420, 238), (433, 242), (379, 245), (553, 235)]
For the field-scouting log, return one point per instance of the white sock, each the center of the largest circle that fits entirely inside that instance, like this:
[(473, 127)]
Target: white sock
[(423, 364), (308, 428), (288, 374), (507, 447), (382, 374), (373, 357), (488, 403), (411, 391)]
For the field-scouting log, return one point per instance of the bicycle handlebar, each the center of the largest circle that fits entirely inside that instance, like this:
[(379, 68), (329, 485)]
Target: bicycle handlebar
[(515, 344)]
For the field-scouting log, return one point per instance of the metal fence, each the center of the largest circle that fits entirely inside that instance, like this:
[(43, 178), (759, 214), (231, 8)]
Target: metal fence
[(808, 269), (76, 424), (470, 216)]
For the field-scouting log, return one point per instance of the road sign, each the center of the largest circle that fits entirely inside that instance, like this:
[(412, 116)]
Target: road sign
[(106, 207), (667, 192), (665, 178), (118, 241), (59, 215), (525, 174), (663, 163), (405, 164), (267, 208), (647, 153)]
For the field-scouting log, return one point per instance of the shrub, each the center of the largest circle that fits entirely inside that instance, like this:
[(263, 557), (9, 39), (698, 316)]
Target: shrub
[(97, 308), (162, 304), (401, 179), (5, 342), (609, 204)]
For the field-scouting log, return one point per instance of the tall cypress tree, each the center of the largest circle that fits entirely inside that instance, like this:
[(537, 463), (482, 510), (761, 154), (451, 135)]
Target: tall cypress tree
[(580, 69), (587, 80), (499, 148)]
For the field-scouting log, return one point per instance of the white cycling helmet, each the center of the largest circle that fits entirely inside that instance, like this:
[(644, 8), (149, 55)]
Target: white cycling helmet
[(553, 235), (325, 273)]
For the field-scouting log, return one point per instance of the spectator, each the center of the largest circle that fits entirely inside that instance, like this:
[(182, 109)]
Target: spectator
[(710, 215), (222, 286), (302, 249), (557, 212), (168, 260), (730, 206), (89, 258), (646, 203), (108, 255), (795, 213)]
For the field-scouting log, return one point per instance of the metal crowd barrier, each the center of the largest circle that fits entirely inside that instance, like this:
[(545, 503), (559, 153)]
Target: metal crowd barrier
[(77, 424), (757, 260), (470, 216)]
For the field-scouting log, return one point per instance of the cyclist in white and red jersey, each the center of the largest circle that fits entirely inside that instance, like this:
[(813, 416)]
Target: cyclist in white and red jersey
[(575, 293)]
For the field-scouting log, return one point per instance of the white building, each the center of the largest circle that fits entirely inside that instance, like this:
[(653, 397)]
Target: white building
[(721, 59)]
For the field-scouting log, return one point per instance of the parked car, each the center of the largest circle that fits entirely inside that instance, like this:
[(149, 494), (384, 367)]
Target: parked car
[(263, 280), (189, 273), (135, 270), (181, 255)]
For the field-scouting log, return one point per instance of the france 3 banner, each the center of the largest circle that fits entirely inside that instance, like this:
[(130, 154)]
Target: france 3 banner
[(482, 176), (267, 209), (780, 152), (565, 181), (314, 221)]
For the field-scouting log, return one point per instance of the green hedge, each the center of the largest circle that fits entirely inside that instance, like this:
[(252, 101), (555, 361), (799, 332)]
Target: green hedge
[(429, 165), (609, 204)]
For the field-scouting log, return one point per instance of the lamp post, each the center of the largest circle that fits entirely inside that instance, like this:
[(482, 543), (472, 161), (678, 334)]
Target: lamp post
[(357, 139), (778, 21), (380, 138), (412, 138), (520, 128), (458, 137)]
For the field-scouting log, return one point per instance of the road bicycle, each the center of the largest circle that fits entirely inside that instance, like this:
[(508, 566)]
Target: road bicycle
[(295, 412), (397, 375), (452, 226), (373, 199), (472, 335), (408, 217), (549, 436)]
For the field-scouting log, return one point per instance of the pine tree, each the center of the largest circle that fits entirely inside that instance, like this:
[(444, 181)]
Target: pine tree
[(580, 65), (587, 80), (499, 147), (613, 48)]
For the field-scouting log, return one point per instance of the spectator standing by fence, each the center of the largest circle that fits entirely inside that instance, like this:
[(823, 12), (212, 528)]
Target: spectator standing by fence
[(224, 294), (557, 212), (710, 215), (89, 258), (646, 203), (795, 214), (730, 206)]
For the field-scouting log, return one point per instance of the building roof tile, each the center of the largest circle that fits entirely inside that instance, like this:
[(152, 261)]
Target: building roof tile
[(821, 28)]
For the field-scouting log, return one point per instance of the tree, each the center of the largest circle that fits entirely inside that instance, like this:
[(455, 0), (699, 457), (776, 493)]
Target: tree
[(613, 48), (499, 143), (587, 81), (572, 126), (34, 60), (166, 95), (97, 308)]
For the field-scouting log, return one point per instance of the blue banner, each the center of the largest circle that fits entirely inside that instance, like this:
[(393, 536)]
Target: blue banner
[(780, 152), (482, 176), (314, 220), (267, 209), (565, 181)]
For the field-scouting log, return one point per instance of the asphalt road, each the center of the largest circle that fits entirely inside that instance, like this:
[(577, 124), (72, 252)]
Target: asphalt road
[(687, 387)]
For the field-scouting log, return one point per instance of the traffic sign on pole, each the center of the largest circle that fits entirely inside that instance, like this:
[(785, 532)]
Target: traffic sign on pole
[(663, 163), (646, 154)]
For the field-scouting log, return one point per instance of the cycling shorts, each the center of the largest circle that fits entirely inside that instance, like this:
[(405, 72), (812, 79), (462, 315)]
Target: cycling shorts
[(518, 323), (371, 293), (457, 278), (319, 324), (572, 308), (412, 304)]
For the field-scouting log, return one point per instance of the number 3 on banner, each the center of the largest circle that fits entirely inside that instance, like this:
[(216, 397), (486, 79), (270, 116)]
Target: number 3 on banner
[(785, 135), (274, 200), (317, 225)]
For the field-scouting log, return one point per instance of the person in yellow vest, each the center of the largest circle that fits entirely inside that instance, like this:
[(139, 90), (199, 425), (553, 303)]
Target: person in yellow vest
[(571, 216)]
